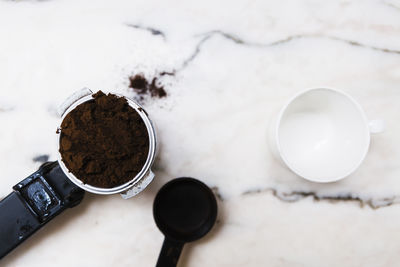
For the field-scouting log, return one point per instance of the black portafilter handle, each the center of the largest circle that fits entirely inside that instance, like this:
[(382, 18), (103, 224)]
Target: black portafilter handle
[(35, 201)]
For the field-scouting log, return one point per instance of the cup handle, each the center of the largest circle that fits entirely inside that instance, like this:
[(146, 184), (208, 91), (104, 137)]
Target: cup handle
[(376, 126)]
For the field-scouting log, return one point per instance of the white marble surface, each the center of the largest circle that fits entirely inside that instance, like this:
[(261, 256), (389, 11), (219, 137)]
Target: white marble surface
[(236, 62)]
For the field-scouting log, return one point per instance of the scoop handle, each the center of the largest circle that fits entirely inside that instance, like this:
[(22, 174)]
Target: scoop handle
[(170, 252)]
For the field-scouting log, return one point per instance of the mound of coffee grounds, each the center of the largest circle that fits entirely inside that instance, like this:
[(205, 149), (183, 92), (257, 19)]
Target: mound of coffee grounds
[(143, 87), (104, 142)]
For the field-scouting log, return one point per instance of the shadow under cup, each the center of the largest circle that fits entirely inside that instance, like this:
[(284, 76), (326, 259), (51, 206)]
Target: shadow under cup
[(323, 135)]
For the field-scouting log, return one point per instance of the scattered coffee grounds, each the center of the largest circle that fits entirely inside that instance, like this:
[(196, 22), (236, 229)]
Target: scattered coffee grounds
[(41, 158), (143, 87), (104, 142)]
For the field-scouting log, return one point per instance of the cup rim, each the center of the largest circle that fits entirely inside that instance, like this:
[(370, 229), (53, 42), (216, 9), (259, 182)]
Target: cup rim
[(355, 104), (146, 167)]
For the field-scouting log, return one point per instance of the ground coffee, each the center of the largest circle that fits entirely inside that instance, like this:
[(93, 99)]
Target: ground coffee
[(104, 142), (144, 87)]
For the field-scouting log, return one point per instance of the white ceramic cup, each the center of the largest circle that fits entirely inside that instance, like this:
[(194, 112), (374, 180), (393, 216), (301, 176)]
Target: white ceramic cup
[(322, 134)]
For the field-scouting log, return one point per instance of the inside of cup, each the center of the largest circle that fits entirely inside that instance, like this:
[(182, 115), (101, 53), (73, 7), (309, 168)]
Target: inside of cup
[(323, 135)]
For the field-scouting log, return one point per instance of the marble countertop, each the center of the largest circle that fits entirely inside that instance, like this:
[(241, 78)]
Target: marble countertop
[(226, 66)]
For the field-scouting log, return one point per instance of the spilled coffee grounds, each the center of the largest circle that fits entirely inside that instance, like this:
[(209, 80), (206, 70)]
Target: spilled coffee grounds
[(143, 87), (104, 142)]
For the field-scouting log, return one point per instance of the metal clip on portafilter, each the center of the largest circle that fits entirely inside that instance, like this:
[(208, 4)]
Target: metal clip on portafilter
[(35, 201)]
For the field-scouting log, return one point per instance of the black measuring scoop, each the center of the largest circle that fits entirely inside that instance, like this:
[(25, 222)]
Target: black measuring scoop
[(185, 210)]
